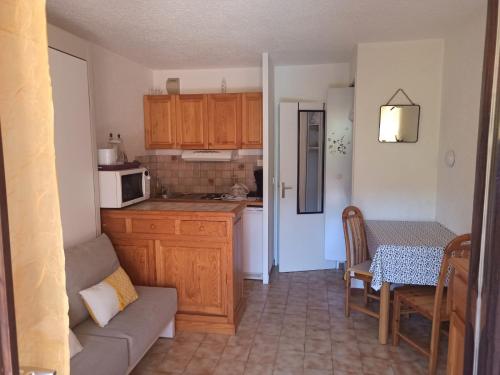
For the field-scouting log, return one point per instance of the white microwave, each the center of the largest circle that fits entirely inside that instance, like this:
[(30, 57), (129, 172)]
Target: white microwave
[(123, 188)]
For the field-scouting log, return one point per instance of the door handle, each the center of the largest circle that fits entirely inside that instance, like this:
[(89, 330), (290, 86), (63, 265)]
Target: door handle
[(284, 188)]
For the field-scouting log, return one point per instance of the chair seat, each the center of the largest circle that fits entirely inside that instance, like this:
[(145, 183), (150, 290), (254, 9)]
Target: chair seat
[(421, 299), (361, 268)]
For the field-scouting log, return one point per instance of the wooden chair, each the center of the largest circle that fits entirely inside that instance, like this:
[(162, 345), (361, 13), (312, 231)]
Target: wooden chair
[(357, 260), (427, 301)]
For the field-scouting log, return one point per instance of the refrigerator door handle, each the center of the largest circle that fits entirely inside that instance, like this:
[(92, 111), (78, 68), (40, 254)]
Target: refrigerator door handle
[(284, 188)]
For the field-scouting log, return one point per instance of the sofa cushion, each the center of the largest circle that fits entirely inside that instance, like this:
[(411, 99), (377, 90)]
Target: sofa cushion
[(140, 323), (75, 346), (100, 356), (86, 265)]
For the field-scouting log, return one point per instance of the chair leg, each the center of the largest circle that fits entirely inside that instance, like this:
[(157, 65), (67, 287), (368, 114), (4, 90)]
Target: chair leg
[(436, 328), (396, 316), (365, 284), (347, 296)]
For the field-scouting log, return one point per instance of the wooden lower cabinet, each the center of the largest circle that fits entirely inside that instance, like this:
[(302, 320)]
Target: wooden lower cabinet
[(197, 272), (137, 257), (457, 295), (200, 255), (238, 262)]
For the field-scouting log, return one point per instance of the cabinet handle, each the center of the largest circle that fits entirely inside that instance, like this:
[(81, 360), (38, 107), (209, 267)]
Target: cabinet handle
[(153, 226), (202, 228)]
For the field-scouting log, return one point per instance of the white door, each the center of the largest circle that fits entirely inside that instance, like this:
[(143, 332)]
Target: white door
[(74, 147), (301, 235)]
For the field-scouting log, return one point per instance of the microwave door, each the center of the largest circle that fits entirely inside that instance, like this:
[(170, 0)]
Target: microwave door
[(132, 187)]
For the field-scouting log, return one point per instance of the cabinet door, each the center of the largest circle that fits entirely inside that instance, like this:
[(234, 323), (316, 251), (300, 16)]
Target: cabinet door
[(251, 123), (237, 262), (192, 124), (197, 271), (159, 121), (137, 257), (224, 121)]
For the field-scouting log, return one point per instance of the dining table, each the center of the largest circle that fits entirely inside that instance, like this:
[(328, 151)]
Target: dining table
[(403, 252)]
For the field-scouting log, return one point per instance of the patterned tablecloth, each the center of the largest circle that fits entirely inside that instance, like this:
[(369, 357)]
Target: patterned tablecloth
[(406, 252)]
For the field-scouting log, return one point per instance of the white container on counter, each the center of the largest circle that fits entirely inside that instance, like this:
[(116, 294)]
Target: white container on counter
[(106, 156)]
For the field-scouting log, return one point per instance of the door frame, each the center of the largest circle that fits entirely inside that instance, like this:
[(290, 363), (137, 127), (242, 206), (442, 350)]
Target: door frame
[(482, 349), (268, 166), (8, 341)]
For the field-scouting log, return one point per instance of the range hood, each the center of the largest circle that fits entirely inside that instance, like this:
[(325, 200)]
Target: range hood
[(207, 155)]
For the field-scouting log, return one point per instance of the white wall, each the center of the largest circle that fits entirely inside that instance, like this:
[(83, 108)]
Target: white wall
[(306, 83), (68, 43), (116, 86), (463, 58), (74, 142), (397, 181), (295, 83), (119, 86), (209, 80)]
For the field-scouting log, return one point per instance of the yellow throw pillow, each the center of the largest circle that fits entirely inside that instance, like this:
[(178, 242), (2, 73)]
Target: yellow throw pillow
[(121, 283)]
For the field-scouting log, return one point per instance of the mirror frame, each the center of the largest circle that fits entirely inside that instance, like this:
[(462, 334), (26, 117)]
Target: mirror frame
[(398, 105), (299, 111)]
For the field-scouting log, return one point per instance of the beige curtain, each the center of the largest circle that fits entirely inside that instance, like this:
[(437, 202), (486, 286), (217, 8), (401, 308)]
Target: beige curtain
[(26, 116)]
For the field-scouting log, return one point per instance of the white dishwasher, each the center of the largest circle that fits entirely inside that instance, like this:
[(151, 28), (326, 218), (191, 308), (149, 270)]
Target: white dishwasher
[(252, 243)]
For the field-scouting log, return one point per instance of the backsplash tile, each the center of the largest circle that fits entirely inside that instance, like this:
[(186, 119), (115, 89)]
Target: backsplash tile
[(180, 176)]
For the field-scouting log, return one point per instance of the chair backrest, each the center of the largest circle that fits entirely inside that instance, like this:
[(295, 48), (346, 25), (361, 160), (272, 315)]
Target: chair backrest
[(459, 247), (355, 236)]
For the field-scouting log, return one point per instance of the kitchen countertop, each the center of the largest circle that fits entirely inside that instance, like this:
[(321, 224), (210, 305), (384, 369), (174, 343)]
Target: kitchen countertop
[(192, 198), (187, 206)]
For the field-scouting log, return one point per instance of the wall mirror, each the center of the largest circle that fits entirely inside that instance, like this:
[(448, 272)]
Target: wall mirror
[(399, 123), (311, 158)]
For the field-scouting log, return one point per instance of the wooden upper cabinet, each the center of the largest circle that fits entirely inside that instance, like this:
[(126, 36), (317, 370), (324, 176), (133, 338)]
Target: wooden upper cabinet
[(224, 121), (203, 121), (160, 121), (251, 122), (192, 123)]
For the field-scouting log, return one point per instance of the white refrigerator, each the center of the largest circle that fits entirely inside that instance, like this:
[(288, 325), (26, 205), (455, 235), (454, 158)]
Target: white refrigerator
[(338, 168)]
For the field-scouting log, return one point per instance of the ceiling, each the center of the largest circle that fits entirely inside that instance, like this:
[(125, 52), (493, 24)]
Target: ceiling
[(173, 34)]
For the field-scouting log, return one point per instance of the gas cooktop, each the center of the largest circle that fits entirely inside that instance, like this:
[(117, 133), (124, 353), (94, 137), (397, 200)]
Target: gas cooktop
[(213, 196), (209, 196)]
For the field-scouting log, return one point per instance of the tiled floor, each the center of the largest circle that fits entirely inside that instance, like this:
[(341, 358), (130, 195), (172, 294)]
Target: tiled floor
[(295, 325)]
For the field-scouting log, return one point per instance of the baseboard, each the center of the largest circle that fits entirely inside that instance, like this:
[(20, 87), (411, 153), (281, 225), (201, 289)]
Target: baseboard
[(169, 330), (252, 276)]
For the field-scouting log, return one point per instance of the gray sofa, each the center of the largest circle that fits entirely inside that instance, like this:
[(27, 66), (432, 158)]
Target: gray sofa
[(116, 348)]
